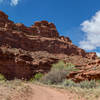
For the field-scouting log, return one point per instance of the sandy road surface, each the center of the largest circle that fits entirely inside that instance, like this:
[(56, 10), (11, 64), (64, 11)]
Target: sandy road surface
[(46, 93), (29, 91)]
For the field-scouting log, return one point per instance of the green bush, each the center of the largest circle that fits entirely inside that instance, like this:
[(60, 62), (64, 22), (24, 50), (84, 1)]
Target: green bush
[(2, 78), (37, 77), (87, 84), (58, 73), (54, 77), (84, 84), (69, 83)]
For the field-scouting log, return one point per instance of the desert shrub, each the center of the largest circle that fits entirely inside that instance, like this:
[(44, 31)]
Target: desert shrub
[(37, 77), (58, 73), (84, 84), (69, 83), (87, 84), (61, 65), (70, 67), (2, 78), (54, 77)]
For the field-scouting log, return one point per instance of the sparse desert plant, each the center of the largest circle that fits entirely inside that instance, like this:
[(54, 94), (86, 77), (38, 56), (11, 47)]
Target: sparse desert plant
[(37, 77), (87, 84), (84, 84), (2, 78), (15, 88), (69, 83), (54, 76), (58, 73)]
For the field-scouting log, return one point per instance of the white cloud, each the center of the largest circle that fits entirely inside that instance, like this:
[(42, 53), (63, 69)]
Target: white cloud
[(91, 28), (10, 2), (14, 2), (98, 54), (87, 45)]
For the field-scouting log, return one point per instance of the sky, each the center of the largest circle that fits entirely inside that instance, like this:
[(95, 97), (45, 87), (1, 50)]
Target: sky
[(77, 19)]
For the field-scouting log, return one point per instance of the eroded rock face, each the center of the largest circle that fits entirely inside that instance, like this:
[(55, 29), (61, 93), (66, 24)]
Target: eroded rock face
[(4, 21), (16, 63), (91, 71), (45, 29), (25, 51), (92, 55)]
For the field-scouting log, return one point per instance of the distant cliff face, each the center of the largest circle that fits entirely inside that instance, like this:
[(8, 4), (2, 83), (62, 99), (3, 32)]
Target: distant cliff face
[(25, 51)]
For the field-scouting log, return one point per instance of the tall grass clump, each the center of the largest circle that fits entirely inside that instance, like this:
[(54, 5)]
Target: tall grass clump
[(69, 83), (84, 84), (87, 84), (58, 73)]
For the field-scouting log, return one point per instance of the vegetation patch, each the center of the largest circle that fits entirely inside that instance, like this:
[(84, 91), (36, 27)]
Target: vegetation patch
[(58, 73), (37, 77), (84, 84), (2, 78)]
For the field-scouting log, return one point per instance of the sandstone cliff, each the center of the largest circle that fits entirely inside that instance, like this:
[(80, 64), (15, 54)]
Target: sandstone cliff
[(25, 51)]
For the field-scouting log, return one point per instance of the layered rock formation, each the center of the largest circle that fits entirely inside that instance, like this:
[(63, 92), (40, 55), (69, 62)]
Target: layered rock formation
[(25, 51), (91, 71)]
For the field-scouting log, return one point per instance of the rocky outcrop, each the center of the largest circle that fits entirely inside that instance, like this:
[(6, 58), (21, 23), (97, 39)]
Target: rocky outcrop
[(4, 21), (16, 63), (45, 29), (91, 55), (91, 71), (25, 51)]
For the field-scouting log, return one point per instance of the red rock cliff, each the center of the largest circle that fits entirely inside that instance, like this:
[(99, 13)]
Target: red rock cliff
[(25, 51)]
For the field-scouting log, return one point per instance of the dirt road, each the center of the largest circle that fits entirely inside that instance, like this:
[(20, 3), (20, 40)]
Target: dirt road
[(30, 91), (47, 93)]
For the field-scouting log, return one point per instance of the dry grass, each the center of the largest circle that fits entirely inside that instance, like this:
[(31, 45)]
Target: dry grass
[(87, 94), (21, 90), (14, 90)]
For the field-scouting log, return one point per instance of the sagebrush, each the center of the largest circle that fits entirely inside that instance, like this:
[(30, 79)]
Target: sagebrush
[(58, 73)]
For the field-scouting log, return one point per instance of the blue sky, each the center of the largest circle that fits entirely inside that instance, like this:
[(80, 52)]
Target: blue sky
[(77, 19)]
